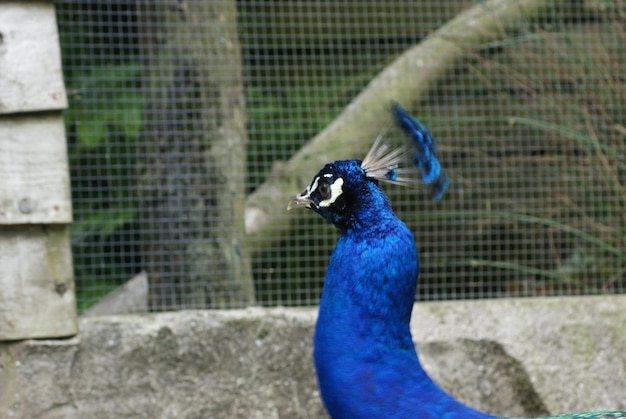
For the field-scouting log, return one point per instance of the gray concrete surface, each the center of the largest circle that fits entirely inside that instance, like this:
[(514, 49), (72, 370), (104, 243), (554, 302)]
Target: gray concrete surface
[(516, 357)]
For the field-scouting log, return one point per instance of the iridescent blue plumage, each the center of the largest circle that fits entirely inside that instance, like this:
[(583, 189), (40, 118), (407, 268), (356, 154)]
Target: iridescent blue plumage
[(425, 154), (365, 360)]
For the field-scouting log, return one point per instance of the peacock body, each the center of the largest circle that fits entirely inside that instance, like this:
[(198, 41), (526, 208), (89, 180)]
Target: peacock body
[(365, 360)]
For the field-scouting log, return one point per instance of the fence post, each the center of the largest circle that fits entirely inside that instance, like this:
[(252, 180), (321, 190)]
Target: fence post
[(37, 297)]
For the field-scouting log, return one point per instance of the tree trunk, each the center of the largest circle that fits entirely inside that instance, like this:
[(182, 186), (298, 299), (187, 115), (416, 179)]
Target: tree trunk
[(192, 177)]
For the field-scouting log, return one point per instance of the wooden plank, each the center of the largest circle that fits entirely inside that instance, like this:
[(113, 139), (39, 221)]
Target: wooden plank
[(34, 174), (31, 77), (36, 283)]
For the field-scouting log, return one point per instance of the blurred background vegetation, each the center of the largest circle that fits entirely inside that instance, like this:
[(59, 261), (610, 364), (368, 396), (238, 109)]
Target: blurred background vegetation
[(531, 130)]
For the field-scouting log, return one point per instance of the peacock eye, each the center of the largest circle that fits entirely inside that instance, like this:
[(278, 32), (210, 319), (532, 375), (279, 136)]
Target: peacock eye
[(324, 190)]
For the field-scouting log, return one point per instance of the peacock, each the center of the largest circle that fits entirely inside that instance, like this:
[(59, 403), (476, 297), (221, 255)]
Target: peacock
[(365, 359)]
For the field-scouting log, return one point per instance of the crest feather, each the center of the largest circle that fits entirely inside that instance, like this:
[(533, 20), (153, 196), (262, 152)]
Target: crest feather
[(383, 160)]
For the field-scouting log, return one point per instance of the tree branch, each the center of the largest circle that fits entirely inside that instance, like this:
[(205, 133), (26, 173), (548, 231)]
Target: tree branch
[(408, 80)]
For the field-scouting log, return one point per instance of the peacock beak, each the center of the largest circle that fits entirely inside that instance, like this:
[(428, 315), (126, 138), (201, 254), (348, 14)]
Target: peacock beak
[(302, 200)]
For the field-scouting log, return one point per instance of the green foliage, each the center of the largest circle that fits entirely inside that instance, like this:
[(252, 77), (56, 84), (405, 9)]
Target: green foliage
[(103, 123), (104, 100), (99, 47)]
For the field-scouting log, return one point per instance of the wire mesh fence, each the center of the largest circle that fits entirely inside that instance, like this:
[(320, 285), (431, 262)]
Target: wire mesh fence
[(182, 113)]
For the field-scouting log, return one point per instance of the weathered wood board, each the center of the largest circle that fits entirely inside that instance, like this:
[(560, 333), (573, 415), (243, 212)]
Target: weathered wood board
[(34, 173), (37, 297), (31, 77), (36, 283)]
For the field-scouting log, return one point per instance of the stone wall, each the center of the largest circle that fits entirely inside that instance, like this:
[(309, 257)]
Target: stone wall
[(511, 357)]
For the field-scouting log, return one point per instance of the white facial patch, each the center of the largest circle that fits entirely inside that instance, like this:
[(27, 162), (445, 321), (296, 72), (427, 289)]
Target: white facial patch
[(313, 187), (335, 192)]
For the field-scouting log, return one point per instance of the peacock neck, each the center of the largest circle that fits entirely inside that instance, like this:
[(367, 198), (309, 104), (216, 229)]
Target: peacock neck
[(362, 337), (371, 280)]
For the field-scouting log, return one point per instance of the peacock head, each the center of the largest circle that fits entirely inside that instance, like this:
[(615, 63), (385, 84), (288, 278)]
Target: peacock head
[(345, 189), (333, 190), (345, 192)]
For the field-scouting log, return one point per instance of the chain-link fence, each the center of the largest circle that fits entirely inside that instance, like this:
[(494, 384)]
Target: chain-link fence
[(191, 121)]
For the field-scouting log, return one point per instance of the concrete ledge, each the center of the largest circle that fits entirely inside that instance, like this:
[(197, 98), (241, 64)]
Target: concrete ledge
[(573, 349), (515, 357)]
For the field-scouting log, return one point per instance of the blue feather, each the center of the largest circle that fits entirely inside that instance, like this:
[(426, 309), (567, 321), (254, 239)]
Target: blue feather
[(425, 150)]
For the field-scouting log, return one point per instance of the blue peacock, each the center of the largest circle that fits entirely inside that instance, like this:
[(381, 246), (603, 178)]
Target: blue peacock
[(365, 360)]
